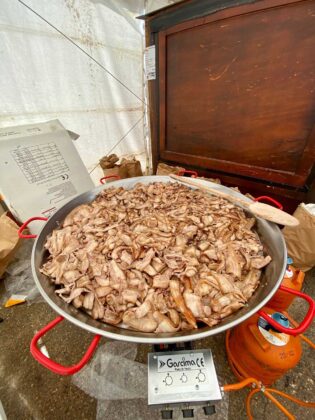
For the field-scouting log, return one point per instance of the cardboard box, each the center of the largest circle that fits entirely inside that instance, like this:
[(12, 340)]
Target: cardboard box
[(9, 241), (40, 170)]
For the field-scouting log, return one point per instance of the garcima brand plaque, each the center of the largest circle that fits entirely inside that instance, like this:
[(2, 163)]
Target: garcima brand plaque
[(182, 376)]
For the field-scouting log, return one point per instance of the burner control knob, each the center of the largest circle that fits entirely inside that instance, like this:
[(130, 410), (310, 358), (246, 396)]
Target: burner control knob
[(183, 378), (201, 377), (168, 380)]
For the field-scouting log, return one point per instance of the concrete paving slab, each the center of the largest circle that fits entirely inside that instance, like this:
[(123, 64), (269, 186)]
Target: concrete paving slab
[(28, 391)]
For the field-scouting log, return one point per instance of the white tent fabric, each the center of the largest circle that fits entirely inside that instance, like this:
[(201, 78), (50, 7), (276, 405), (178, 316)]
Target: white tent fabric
[(44, 76)]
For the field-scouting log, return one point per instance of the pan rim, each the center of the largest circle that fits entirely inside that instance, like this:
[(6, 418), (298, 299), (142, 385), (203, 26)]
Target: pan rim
[(151, 338)]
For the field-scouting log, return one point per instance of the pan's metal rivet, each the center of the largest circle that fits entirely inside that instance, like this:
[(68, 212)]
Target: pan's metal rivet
[(156, 389), (154, 357), (197, 386)]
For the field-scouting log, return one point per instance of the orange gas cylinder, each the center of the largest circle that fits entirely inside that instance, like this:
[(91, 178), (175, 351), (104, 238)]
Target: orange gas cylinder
[(255, 349), (294, 280)]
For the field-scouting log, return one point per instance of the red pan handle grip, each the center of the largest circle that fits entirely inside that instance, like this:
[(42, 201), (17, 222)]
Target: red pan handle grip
[(193, 174), (54, 366), (102, 180), (271, 200), (25, 224), (306, 321)]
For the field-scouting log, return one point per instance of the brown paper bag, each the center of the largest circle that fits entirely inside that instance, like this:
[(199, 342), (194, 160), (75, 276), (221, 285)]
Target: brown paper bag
[(108, 161), (300, 240), (108, 164), (215, 180), (110, 172), (164, 169), (9, 241), (130, 168), (2, 210), (123, 171)]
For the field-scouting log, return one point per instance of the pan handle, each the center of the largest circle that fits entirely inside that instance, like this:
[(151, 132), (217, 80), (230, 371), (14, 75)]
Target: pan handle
[(25, 224), (183, 172), (271, 200), (54, 366), (306, 321), (102, 180)]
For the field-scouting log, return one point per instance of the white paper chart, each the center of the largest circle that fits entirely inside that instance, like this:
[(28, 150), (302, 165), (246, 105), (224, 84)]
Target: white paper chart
[(40, 162)]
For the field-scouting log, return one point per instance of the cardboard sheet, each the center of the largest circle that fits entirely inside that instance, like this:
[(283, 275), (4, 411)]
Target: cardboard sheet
[(300, 240), (9, 241), (40, 170)]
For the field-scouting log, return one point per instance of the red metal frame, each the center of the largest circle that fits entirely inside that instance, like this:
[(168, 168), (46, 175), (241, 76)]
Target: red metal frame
[(107, 177), (25, 224), (54, 366), (271, 200), (183, 172)]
